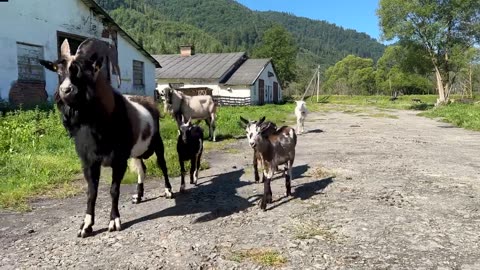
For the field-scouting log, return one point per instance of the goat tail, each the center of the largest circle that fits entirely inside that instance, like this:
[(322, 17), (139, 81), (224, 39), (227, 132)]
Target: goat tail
[(293, 135)]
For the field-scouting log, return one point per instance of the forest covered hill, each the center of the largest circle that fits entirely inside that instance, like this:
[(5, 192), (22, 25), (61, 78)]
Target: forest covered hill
[(227, 26)]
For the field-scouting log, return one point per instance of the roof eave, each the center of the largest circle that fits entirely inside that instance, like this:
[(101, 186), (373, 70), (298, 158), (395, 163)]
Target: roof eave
[(100, 12)]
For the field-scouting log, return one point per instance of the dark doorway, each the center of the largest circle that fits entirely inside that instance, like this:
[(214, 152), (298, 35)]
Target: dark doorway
[(261, 92)]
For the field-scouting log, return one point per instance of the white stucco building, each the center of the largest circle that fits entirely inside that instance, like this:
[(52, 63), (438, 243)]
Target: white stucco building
[(232, 77), (34, 29)]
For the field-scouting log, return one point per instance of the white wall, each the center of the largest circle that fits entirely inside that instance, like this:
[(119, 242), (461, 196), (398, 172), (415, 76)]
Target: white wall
[(126, 54), (268, 81), (36, 22)]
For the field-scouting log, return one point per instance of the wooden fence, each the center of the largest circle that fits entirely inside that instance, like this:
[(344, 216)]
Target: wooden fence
[(232, 101)]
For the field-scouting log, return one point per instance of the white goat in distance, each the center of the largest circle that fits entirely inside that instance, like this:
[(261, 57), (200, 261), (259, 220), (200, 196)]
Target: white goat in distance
[(301, 113)]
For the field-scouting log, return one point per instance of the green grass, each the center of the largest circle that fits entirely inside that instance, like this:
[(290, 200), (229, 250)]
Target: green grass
[(462, 115), (309, 231), (38, 159), (259, 256)]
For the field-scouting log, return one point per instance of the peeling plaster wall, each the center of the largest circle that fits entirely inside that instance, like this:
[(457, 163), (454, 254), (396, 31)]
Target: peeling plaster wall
[(36, 22)]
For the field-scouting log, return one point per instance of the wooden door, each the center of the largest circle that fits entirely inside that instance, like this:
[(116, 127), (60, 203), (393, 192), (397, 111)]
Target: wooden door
[(275, 92), (261, 92)]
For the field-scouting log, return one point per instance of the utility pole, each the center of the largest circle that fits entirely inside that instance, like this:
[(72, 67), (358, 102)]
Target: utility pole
[(318, 81)]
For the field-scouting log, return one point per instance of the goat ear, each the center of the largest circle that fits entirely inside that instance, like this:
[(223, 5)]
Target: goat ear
[(245, 121), (49, 65), (189, 121), (65, 50), (261, 121)]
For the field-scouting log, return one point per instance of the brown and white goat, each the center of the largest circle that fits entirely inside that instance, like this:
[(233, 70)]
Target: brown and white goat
[(275, 148), (271, 127), (107, 128)]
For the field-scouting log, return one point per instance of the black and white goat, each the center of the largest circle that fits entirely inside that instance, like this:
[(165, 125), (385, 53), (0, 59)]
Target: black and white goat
[(270, 128), (275, 148), (189, 148), (107, 128)]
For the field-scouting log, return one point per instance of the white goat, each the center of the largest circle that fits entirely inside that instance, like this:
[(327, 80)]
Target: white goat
[(301, 113)]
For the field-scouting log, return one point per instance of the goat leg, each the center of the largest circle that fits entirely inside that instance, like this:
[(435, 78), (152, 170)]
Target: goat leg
[(193, 163), (255, 166), (159, 152), (183, 171), (118, 171), (92, 176), (267, 194), (288, 174), (140, 167)]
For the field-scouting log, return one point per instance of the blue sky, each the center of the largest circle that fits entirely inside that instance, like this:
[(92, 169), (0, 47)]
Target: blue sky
[(352, 14)]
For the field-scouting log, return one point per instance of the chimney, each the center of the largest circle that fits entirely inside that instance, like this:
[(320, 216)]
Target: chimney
[(187, 50)]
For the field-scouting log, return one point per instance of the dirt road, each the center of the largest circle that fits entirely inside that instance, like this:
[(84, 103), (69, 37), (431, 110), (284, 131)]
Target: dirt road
[(404, 194)]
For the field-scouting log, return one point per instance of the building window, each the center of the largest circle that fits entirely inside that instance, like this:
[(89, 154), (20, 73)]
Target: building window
[(29, 69), (138, 74)]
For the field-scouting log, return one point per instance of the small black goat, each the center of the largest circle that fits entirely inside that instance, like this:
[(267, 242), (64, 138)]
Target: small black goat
[(107, 128), (275, 148), (189, 147), (270, 128)]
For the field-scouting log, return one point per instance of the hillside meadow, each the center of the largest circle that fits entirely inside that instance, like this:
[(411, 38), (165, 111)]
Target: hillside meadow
[(38, 159)]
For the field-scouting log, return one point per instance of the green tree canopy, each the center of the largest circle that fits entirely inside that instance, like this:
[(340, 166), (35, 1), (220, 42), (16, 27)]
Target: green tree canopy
[(351, 75), (445, 29), (278, 44), (403, 69)]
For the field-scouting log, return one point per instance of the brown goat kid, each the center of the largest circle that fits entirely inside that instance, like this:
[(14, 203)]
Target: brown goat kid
[(275, 148), (271, 127)]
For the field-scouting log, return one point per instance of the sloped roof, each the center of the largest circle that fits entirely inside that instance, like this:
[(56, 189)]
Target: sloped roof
[(102, 14), (211, 66), (248, 73)]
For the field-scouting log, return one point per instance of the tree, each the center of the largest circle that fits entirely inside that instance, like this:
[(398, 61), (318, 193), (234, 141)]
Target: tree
[(445, 29), (403, 69), (351, 75), (278, 44)]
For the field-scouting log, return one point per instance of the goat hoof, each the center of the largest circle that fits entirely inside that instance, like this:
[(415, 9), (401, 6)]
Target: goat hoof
[(182, 189), (168, 193), (85, 232), (263, 205), (136, 199), (114, 225)]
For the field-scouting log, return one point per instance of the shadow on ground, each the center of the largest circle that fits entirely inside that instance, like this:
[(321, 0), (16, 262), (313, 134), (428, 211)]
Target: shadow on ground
[(314, 131), (306, 191), (219, 198)]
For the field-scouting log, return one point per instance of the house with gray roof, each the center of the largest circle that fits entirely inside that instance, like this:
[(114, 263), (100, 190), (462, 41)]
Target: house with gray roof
[(233, 78)]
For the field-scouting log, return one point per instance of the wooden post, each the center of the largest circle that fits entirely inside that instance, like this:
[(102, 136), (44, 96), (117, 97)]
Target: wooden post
[(318, 81)]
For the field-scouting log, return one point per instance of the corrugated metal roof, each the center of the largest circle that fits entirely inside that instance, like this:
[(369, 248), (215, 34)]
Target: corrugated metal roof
[(211, 66), (248, 72)]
